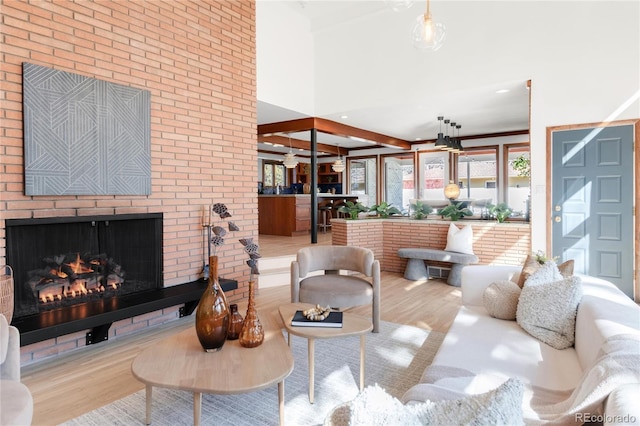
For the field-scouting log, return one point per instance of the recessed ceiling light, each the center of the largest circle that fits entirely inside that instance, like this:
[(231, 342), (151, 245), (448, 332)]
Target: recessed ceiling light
[(277, 145), (344, 116), (267, 143), (357, 139), (502, 91)]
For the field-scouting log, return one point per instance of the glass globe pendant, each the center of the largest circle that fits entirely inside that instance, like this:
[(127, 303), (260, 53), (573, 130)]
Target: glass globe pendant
[(428, 34)]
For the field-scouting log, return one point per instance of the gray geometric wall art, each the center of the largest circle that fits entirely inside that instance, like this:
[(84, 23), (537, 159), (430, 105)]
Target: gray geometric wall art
[(84, 136)]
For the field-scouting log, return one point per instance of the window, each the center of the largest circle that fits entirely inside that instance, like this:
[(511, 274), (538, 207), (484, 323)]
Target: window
[(434, 174), (477, 177), (398, 180), (518, 181), (362, 179), (273, 174)]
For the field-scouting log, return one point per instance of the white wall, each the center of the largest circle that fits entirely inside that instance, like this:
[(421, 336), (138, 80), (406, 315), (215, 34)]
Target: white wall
[(285, 58)]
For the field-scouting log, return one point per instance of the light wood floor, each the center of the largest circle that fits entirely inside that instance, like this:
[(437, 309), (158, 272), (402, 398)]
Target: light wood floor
[(83, 380)]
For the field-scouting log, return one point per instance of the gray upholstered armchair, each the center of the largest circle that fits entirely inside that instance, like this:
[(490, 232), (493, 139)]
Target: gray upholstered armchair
[(16, 403), (333, 288)]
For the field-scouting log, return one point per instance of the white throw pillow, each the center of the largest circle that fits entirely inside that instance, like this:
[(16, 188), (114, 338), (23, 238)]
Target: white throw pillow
[(548, 311), (501, 299), (373, 407), (460, 240)]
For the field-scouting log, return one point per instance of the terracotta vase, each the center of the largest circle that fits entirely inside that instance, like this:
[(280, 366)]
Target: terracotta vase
[(252, 333), (235, 323), (212, 315)]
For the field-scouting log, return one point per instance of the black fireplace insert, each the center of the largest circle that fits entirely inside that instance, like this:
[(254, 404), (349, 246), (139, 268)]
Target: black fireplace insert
[(61, 262), (84, 273)]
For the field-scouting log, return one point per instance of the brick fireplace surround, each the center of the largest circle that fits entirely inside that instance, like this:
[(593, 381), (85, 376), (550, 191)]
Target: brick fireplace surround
[(198, 60)]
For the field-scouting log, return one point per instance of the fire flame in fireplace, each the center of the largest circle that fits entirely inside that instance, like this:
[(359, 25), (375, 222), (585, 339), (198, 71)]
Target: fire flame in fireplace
[(77, 278)]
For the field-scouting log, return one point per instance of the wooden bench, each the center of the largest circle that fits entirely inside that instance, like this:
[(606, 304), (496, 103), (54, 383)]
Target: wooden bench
[(417, 270)]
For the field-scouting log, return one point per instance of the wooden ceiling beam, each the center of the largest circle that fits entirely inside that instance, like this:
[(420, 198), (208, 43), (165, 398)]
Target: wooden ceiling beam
[(340, 129), (301, 144), (299, 125), (331, 127)]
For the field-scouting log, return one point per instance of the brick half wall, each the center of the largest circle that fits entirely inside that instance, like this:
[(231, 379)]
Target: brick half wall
[(493, 243)]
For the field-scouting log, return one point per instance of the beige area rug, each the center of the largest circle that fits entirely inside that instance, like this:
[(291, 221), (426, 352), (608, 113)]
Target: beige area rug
[(395, 360)]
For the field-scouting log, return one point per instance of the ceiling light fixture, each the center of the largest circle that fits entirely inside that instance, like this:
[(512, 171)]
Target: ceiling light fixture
[(440, 142), (458, 146), (290, 161), (427, 34), (338, 166), (447, 138)]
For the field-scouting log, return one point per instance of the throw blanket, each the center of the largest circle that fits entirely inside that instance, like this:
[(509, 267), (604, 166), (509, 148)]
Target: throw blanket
[(618, 363)]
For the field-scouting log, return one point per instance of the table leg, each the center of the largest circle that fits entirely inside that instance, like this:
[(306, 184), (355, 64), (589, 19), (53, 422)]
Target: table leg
[(362, 347), (149, 392), (311, 350), (281, 401), (197, 408)]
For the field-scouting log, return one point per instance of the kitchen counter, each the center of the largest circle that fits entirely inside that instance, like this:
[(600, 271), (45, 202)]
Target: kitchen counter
[(290, 214), (284, 214)]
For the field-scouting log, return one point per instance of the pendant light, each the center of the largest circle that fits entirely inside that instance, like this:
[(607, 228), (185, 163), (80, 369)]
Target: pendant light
[(428, 34), (338, 166), (447, 138), (451, 142), (457, 148), (290, 161), (440, 142)]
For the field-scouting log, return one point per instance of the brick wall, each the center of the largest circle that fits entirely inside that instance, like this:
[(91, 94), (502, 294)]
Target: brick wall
[(197, 58), (493, 243)]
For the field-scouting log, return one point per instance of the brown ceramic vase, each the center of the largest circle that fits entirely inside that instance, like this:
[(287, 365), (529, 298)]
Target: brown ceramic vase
[(252, 333), (212, 315)]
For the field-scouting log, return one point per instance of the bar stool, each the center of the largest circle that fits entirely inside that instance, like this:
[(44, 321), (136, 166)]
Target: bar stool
[(336, 207), (325, 213)]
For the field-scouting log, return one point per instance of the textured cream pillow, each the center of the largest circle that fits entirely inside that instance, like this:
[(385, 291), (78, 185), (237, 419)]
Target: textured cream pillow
[(460, 240), (374, 406), (548, 310), (501, 299)]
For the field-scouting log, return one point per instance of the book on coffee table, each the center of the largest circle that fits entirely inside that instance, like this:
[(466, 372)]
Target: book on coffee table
[(334, 320)]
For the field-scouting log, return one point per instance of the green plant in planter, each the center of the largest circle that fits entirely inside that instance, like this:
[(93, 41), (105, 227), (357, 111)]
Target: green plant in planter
[(500, 211), (384, 210), (352, 209), (420, 210), (455, 211)]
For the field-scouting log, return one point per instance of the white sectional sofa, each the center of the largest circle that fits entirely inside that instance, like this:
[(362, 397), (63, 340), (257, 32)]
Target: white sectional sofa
[(481, 352), (16, 402)]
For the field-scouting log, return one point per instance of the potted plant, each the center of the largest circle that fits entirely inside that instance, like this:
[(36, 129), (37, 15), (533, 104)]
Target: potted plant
[(352, 209), (420, 210), (384, 209), (455, 211), (499, 211)]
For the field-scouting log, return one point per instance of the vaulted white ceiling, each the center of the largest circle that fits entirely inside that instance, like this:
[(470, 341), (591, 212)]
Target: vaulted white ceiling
[(358, 66)]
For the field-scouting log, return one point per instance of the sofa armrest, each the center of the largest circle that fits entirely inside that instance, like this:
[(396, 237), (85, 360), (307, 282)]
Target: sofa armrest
[(10, 368), (621, 406), (476, 278)]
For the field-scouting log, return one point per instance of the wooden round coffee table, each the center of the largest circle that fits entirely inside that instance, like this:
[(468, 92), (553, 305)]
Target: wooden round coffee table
[(352, 325), (179, 362)]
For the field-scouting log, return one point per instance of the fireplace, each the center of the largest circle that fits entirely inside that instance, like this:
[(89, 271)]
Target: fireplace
[(84, 273), (61, 262)]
